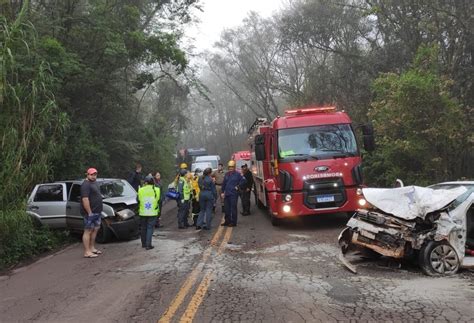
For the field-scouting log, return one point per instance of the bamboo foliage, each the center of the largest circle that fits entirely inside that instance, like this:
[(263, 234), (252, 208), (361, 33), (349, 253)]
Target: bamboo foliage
[(31, 125)]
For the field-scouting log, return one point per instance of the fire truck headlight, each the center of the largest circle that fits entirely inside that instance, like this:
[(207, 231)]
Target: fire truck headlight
[(288, 197), (362, 202), (359, 191), (286, 208)]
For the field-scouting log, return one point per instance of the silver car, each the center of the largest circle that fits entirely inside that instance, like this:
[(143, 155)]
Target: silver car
[(57, 205)]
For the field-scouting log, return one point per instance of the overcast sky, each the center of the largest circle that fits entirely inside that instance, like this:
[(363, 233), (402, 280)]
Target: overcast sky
[(220, 14)]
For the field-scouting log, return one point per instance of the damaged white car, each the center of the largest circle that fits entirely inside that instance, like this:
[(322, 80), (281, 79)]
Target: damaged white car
[(434, 225)]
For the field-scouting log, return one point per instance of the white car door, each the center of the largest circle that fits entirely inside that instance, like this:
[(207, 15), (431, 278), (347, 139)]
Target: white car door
[(48, 204)]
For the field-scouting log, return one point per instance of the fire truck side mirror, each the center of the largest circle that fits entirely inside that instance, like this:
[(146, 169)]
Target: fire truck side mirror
[(368, 137), (259, 147)]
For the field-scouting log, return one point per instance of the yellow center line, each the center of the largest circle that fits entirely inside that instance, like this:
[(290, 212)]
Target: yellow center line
[(197, 299), (200, 293), (217, 236), (189, 282), (226, 239)]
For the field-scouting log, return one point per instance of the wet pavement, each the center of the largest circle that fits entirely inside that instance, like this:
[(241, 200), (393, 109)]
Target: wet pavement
[(250, 273)]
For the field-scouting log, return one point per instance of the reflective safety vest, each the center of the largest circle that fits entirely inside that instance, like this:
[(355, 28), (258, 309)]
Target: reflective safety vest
[(196, 188), (186, 189), (148, 198)]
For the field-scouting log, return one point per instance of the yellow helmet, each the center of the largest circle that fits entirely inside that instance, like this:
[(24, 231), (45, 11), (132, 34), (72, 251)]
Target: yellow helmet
[(231, 163), (183, 165)]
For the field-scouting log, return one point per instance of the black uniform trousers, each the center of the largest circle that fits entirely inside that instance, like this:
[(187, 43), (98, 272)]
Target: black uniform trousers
[(245, 198)]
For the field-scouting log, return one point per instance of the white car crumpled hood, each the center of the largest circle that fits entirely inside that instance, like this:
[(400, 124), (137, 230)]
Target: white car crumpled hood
[(410, 202)]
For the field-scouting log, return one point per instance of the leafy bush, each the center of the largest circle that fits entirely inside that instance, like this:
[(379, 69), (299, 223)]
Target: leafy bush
[(421, 131), (20, 239)]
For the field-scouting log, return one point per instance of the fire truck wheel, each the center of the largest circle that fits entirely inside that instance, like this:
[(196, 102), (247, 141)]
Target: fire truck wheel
[(275, 221), (260, 205)]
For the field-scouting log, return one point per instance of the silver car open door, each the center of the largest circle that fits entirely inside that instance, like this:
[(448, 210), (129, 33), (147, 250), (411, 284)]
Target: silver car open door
[(47, 204), (74, 219)]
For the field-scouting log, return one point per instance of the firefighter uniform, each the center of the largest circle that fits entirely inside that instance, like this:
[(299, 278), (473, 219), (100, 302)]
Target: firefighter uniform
[(231, 186)]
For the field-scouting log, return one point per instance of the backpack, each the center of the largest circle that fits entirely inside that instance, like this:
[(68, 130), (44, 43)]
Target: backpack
[(173, 194)]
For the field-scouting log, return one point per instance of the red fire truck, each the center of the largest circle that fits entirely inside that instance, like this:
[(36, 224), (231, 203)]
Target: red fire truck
[(307, 162)]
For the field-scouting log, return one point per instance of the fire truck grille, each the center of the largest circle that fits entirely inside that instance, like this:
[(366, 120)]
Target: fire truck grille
[(324, 193)]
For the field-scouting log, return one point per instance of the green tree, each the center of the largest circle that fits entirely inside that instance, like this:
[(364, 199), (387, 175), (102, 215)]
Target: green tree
[(421, 132)]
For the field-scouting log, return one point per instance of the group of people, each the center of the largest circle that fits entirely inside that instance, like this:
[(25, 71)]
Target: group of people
[(200, 192), (196, 194)]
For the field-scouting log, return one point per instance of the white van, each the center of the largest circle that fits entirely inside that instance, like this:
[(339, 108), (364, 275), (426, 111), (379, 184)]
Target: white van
[(213, 159), (201, 166)]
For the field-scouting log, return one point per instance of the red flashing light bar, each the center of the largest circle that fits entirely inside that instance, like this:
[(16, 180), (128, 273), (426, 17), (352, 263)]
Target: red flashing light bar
[(244, 155), (310, 110)]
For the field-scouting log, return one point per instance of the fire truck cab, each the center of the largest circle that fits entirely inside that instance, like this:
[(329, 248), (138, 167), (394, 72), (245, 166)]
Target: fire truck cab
[(307, 162)]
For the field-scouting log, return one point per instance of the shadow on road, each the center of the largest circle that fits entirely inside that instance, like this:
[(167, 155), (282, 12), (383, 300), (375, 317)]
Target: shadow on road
[(316, 222)]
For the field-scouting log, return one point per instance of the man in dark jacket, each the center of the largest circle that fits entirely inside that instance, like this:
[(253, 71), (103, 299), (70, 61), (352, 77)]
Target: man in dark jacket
[(232, 184), (158, 184), (246, 190), (135, 177)]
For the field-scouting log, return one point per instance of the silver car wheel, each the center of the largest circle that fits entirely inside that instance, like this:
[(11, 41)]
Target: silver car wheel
[(444, 259)]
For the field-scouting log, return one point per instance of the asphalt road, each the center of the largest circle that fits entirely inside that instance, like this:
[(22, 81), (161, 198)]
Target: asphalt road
[(253, 273)]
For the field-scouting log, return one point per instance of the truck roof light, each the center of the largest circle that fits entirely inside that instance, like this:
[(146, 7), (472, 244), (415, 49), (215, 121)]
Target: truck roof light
[(310, 110)]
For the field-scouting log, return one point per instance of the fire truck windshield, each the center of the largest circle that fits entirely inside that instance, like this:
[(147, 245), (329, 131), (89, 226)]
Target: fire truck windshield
[(318, 142)]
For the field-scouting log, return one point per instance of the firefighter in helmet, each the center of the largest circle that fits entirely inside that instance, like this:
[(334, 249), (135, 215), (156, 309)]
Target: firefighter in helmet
[(231, 186), (176, 179)]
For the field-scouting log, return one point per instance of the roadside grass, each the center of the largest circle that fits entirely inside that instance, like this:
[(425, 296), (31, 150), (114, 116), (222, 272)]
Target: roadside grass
[(20, 239)]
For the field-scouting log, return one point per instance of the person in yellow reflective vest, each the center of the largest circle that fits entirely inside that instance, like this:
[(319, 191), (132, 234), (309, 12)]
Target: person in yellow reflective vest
[(176, 179), (148, 209), (195, 209), (184, 189)]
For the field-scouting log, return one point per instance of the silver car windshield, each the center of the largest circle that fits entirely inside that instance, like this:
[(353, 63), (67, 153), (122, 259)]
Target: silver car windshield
[(116, 188)]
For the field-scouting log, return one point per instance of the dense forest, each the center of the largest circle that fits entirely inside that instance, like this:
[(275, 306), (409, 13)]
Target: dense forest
[(109, 82), (86, 83), (405, 66)]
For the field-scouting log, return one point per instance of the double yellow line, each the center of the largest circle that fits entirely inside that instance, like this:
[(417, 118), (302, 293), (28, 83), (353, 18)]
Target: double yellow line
[(201, 291)]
